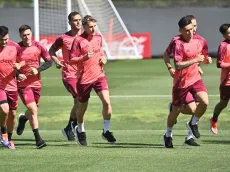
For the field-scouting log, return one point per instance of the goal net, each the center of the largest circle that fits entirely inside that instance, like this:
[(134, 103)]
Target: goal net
[(52, 16)]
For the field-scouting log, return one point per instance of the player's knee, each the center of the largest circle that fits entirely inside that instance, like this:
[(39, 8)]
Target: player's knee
[(106, 104), (12, 113), (192, 111), (32, 108), (5, 109), (82, 106), (205, 102)]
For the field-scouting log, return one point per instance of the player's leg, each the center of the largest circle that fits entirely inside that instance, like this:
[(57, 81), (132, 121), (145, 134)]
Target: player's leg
[(4, 111), (189, 140), (33, 117), (12, 98), (200, 92), (224, 99), (70, 84), (188, 107), (31, 98), (83, 97), (102, 90), (172, 117), (178, 99), (10, 127), (22, 119)]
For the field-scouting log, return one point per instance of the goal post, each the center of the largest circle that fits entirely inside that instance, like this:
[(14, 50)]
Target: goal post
[(51, 20)]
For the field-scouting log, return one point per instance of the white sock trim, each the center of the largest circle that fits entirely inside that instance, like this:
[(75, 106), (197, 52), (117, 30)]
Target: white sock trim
[(106, 125)]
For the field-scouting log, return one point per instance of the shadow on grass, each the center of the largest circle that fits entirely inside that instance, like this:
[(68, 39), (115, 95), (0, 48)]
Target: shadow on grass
[(126, 145), (224, 142), (32, 140)]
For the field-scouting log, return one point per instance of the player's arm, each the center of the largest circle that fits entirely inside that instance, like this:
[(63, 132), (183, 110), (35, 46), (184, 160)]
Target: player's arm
[(103, 59), (77, 49), (53, 49), (178, 56), (184, 64), (167, 52), (208, 59), (200, 70), (20, 77), (43, 67), (19, 65), (20, 62), (168, 64), (222, 51), (54, 57), (46, 57)]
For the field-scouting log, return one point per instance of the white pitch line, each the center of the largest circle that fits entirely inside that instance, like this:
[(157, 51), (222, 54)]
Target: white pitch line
[(117, 76), (128, 96)]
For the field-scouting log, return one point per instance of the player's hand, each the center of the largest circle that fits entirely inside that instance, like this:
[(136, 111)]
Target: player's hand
[(17, 66), (200, 70), (200, 58), (102, 61), (209, 60), (89, 55), (33, 71), (21, 77), (60, 64), (172, 72)]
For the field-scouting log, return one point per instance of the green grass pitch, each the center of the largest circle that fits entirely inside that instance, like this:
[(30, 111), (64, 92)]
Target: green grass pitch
[(140, 93)]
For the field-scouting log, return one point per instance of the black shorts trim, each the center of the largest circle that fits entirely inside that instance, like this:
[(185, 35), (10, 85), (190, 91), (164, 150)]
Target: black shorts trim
[(189, 102), (3, 101)]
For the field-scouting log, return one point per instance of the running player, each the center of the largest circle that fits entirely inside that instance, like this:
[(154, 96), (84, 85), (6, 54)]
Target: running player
[(69, 76), (29, 87), (187, 79), (188, 107), (9, 55), (88, 54), (223, 62)]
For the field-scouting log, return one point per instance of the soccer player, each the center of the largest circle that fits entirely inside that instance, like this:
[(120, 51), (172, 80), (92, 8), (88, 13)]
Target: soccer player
[(9, 55), (29, 87), (170, 47), (223, 62), (189, 107), (69, 76), (87, 52), (187, 53)]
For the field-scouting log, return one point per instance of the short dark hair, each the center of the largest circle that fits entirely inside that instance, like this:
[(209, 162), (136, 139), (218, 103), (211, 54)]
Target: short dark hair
[(184, 21), (4, 30), (88, 18), (74, 13), (223, 28), (191, 17), (23, 28)]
